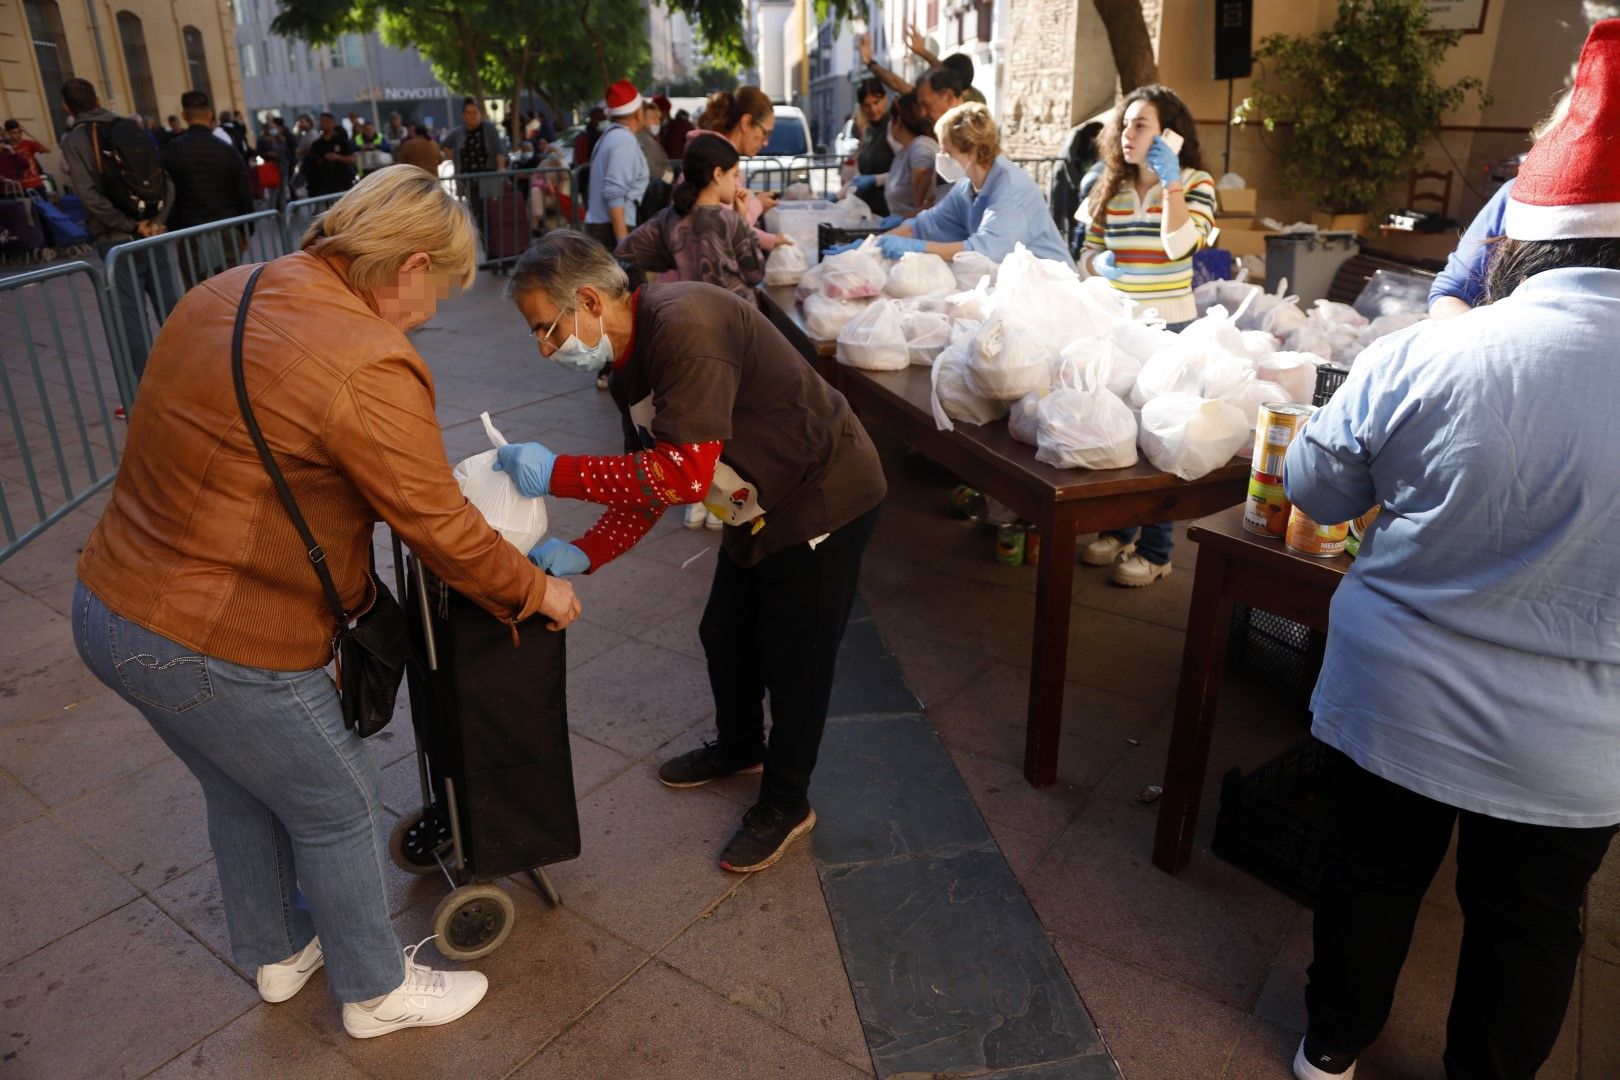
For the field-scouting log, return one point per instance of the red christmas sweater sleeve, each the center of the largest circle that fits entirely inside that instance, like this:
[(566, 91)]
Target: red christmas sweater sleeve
[(636, 488)]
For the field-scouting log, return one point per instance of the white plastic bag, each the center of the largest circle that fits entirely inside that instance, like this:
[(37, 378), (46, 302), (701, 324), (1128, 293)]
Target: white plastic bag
[(1189, 436), (927, 332), (520, 519), (1103, 363), (919, 273), (810, 281), (1294, 372), (1085, 428), (853, 275), (1021, 421), (825, 317), (1248, 398), (1009, 360), (1140, 340), (853, 213), (953, 397), (971, 305), (874, 340), (786, 265), (1176, 370), (967, 267)]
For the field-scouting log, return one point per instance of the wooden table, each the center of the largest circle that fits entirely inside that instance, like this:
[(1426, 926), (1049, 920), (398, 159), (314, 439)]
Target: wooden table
[(1063, 503), (1234, 566)]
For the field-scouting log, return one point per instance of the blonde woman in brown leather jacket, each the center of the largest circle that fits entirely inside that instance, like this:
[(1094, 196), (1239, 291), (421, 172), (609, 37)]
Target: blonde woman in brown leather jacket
[(197, 603)]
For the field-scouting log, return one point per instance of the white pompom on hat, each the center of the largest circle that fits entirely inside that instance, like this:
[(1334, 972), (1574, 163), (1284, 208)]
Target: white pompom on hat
[(1569, 185)]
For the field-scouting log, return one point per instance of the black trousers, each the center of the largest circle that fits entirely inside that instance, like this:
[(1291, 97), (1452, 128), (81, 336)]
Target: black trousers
[(774, 628), (1521, 888), (603, 234)]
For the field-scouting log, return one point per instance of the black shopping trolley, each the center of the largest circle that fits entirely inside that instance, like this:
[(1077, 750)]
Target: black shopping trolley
[(490, 716)]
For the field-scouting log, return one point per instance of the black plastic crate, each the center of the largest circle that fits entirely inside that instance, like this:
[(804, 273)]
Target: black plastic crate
[(1276, 822), (1284, 652), (1328, 381), (829, 235)]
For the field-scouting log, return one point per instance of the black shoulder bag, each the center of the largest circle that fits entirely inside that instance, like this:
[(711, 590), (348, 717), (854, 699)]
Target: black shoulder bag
[(371, 653)]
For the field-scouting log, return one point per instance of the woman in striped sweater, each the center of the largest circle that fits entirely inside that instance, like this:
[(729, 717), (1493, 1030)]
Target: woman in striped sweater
[(1152, 209)]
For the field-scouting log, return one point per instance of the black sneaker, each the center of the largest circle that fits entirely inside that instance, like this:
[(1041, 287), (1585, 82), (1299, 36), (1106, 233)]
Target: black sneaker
[(765, 834), (1314, 1062), (700, 766)]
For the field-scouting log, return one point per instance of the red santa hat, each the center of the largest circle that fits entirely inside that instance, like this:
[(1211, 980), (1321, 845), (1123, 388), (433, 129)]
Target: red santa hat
[(623, 98), (1569, 185)]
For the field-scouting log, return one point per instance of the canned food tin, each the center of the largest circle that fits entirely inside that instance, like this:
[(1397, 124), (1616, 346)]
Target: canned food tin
[(1032, 546), (1310, 538), (1274, 430), (965, 501), (1266, 512), (1010, 545), (1358, 531)]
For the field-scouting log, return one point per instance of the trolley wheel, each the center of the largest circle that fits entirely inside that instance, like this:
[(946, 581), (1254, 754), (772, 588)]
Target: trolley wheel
[(473, 921), (415, 838)]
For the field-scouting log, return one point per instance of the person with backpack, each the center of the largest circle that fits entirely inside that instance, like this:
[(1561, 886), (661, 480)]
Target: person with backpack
[(113, 167)]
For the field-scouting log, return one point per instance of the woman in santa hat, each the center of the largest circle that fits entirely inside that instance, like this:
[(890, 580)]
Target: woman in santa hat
[(1472, 676)]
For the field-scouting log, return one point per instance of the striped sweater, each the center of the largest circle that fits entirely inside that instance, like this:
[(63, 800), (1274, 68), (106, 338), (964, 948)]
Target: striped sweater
[(1134, 235)]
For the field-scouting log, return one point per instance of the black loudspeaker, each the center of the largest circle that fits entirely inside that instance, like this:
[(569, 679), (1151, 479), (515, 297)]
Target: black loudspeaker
[(1234, 37)]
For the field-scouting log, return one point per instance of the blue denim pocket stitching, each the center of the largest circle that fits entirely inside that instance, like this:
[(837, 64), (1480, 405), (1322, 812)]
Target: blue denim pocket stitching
[(148, 661)]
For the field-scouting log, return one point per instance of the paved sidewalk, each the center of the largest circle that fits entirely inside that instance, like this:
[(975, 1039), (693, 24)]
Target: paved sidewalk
[(114, 958)]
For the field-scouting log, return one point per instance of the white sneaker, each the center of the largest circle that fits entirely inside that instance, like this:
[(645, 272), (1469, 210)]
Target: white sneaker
[(1133, 572), (1105, 551), (278, 982), (426, 998), (712, 522), (1306, 1069), (695, 513)]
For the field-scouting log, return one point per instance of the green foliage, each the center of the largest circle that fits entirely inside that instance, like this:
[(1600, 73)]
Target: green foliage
[(1362, 97), (720, 24), (711, 76)]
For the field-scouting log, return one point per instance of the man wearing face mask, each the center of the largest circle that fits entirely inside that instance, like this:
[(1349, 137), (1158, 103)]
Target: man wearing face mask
[(993, 205), (719, 408)]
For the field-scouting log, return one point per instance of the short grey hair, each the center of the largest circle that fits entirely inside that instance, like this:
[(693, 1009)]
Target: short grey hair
[(561, 263)]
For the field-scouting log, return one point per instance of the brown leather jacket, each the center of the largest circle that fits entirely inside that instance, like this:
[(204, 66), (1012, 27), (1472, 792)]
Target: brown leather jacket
[(196, 546)]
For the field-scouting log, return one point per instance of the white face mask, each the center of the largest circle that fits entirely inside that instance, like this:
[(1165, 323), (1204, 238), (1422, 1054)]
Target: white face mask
[(655, 127), (949, 169), (603, 125)]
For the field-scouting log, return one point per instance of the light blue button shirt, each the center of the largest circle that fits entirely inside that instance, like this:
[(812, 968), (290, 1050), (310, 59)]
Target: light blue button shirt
[(1474, 650), (618, 176), (1008, 210)]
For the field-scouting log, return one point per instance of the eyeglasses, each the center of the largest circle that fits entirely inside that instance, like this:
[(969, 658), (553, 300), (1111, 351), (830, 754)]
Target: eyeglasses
[(546, 337)]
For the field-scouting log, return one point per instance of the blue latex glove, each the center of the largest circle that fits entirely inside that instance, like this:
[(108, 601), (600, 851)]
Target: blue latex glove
[(839, 249), (862, 182), (895, 246), (559, 557), (893, 221), (1103, 264), (529, 465), (1163, 161)]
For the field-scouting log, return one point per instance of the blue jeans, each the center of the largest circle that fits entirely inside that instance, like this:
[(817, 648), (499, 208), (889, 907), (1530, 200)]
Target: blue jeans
[(1155, 544), (143, 276), (293, 810)]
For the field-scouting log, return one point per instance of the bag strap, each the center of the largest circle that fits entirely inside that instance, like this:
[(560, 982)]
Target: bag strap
[(317, 556), (95, 143)]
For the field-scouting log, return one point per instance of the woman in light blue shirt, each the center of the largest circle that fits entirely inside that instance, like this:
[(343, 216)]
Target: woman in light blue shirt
[(1472, 674), (993, 205)]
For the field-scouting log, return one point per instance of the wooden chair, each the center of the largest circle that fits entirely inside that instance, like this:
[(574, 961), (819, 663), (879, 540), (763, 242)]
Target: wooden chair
[(1441, 198)]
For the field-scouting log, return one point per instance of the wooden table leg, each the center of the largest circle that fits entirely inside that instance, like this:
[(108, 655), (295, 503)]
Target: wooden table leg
[(1209, 620), (1049, 657)]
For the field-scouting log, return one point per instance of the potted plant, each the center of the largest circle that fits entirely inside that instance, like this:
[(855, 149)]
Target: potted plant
[(1362, 99)]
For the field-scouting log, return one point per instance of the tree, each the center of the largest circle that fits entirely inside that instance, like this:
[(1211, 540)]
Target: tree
[(490, 48), (1130, 42), (725, 38)]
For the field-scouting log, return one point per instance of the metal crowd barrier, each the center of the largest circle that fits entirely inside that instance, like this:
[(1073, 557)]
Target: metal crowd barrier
[(819, 171), (61, 443), (298, 213), (507, 211)]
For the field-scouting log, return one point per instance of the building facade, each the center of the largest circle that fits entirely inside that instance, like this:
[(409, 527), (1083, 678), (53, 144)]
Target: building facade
[(358, 73), (673, 45), (141, 55)]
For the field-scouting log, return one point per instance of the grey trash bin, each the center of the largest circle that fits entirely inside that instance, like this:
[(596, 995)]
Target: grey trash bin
[(1308, 261)]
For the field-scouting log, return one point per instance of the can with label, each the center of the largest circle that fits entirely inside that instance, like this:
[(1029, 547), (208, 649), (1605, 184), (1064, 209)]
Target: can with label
[(1274, 430), (1032, 546), (1266, 511), (1358, 531), (965, 502), (1010, 545), (1310, 538)]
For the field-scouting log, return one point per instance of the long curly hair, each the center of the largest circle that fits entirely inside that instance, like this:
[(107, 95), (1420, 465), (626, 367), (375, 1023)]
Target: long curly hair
[(1173, 116)]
